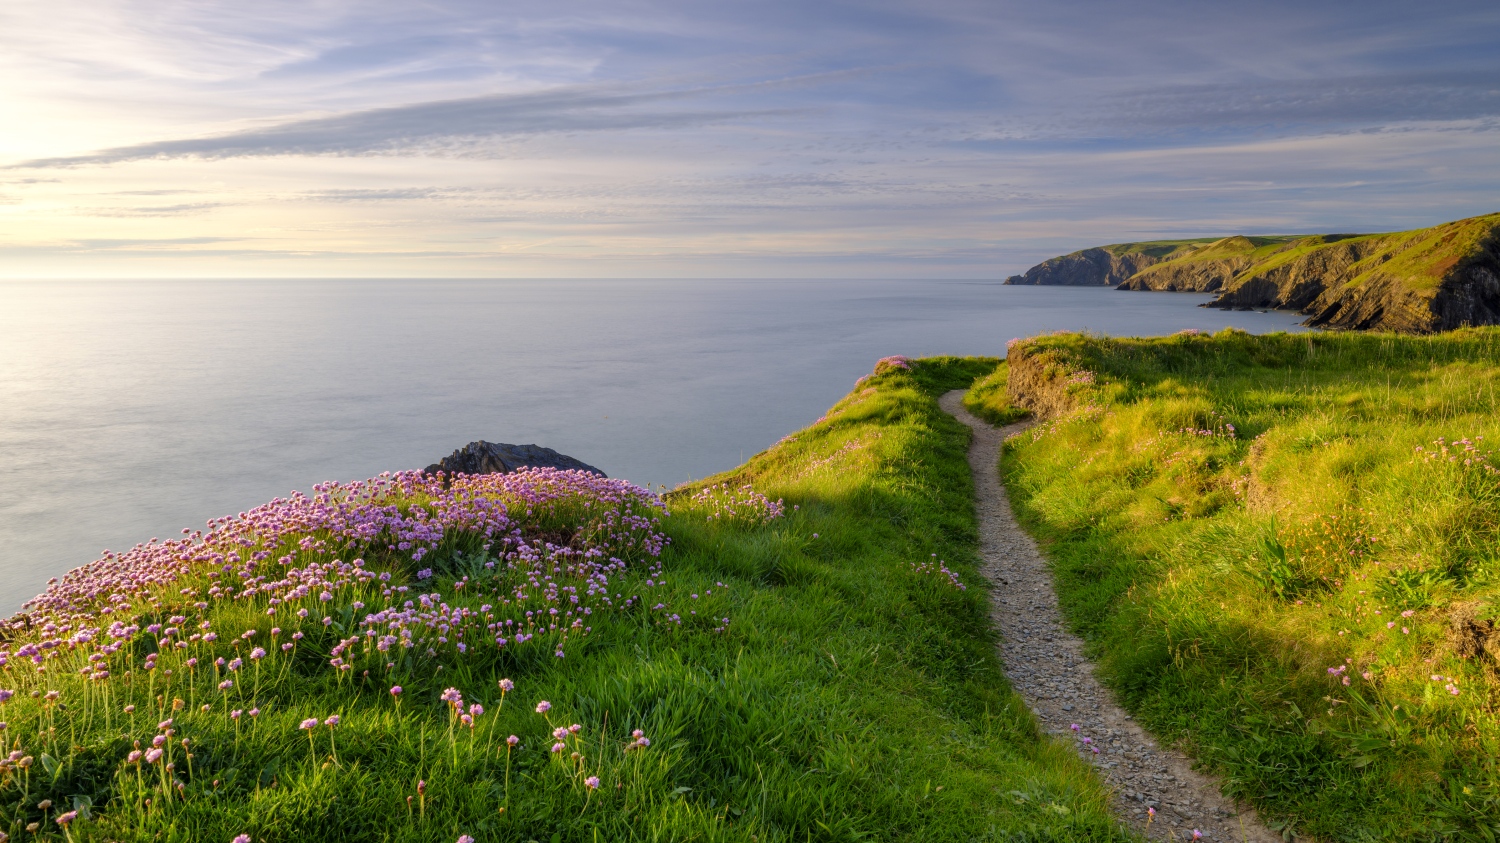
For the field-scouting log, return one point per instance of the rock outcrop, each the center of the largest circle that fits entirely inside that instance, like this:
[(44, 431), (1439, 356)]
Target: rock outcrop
[(499, 458), (1415, 282), (1431, 279), (1088, 268), (1208, 268), (1203, 276)]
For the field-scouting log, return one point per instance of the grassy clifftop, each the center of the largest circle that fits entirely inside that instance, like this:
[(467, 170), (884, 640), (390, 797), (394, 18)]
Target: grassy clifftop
[(1421, 281), (799, 650), (1285, 551), (1105, 265)]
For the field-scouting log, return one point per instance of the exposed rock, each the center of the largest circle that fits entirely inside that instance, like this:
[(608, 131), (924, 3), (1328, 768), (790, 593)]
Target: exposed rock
[(1088, 268), (1297, 284), (1208, 268), (1036, 383), (499, 458), (1201, 276), (1473, 636), (1432, 279)]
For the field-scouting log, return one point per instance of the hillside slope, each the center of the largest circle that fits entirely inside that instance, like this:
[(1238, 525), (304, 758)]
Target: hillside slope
[(1283, 551), (1422, 281), (1103, 265)]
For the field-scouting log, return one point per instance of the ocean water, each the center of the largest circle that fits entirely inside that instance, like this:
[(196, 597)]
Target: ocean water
[(132, 409)]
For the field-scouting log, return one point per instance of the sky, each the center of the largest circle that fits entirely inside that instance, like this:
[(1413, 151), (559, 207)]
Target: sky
[(652, 138)]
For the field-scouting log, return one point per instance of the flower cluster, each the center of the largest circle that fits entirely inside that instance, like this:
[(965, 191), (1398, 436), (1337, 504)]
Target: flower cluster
[(936, 566), (1081, 377), (299, 555), (1217, 427), (1460, 451), (1085, 742), (743, 505), (569, 746)]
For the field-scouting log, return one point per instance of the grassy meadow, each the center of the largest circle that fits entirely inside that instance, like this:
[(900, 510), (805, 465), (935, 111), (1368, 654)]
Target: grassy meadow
[(1285, 553), (798, 651)]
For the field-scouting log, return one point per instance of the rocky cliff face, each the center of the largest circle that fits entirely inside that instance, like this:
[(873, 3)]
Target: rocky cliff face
[(1188, 276), (1431, 279), (499, 458), (1298, 283), (1088, 268), (1420, 282)]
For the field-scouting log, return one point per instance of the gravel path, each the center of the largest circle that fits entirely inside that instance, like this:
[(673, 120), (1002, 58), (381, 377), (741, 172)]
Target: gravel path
[(1046, 665)]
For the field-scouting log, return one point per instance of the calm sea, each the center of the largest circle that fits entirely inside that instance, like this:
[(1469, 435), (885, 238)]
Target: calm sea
[(133, 409)]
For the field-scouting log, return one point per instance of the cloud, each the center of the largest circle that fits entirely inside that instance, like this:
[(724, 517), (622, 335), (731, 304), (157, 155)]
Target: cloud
[(187, 208), (111, 244), (411, 127), (397, 194), (1370, 100)]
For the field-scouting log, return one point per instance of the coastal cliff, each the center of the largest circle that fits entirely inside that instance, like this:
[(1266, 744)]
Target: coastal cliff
[(1103, 265), (1433, 279), (1088, 268), (1205, 269), (1422, 281)]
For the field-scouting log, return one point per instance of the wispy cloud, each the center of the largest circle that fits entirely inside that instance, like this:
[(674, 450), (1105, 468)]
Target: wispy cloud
[(106, 244), (1372, 100), (416, 126)]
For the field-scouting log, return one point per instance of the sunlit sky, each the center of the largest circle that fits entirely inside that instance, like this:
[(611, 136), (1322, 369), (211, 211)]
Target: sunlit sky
[(771, 139)]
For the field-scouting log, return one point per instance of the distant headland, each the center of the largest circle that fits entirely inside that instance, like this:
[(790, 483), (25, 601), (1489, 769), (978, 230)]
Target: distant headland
[(1423, 281)]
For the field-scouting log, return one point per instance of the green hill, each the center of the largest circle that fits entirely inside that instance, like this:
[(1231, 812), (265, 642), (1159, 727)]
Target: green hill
[(1431, 279), (1104, 265)]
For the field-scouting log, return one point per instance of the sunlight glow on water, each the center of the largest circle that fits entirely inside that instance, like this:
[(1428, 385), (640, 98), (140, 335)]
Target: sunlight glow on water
[(132, 409)]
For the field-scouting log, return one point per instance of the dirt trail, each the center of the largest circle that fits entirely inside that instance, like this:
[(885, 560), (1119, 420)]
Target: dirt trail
[(1045, 663)]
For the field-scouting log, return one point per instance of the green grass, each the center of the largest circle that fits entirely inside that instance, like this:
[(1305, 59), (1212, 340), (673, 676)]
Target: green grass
[(988, 399), (1422, 259), (1238, 246), (1156, 248), (1239, 524), (852, 696)]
